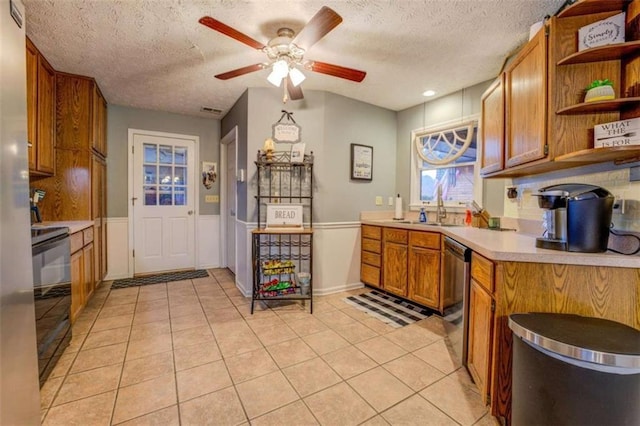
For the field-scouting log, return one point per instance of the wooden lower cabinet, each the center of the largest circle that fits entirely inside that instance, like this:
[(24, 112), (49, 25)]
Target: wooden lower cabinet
[(395, 268), (83, 266), (371, 256), (424, 276), (89, 268), (77, 284), (480, 337)]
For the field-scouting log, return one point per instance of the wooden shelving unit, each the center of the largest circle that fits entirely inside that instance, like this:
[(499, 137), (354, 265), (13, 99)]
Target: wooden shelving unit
[(598, 106), (588, 7), (602, 53)]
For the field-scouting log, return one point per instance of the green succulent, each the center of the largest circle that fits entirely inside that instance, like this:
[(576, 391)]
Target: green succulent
[(598, 83)]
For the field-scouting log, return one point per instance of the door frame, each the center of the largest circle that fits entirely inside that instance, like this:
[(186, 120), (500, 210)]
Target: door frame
[(130, 190), (231, 136)]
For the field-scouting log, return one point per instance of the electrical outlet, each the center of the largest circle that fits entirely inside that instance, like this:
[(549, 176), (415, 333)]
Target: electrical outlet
[(378, 201), (211, 198), (390, 201)]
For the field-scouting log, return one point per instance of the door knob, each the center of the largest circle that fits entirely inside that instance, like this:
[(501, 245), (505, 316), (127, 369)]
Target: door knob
[(232, 212), (190, 212)]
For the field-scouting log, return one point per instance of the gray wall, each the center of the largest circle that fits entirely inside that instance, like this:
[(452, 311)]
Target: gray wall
[(238, 116), (330, 123), (121, 119), (446, 108)]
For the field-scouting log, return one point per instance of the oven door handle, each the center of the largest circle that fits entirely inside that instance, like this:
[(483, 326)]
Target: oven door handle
[(48, 244)]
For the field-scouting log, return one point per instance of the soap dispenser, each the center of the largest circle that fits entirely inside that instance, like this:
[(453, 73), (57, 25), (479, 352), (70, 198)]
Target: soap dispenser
[(423, 215)]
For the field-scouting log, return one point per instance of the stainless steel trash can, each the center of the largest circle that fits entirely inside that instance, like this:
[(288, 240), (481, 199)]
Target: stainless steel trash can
[(574, 370)]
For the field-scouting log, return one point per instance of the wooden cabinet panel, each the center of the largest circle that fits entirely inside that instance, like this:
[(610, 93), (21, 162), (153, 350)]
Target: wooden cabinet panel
[(371, 259), (425, 239), (373, 232), (480, 338), (482, 271), (373, 246), (395, 267), (526, 103), (370, 275), (41, 98), (32, 102), (424, 276), (492, 127), (77, 241), (77, 284), (73, 111), (394, 235), (98, 128), (88, 273)]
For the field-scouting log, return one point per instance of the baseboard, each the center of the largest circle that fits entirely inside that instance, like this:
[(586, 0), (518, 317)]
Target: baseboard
[(337, 289)]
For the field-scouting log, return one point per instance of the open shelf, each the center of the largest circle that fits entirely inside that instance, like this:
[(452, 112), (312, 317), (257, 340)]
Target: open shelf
[(619, 154), (587, 7), (602, 53), (599, 106)]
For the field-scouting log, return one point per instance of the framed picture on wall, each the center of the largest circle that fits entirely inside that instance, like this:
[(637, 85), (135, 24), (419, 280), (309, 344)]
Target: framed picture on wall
[(361, 162)]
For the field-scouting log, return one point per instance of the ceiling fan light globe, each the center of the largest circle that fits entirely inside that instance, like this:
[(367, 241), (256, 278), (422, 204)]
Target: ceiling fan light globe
[(297, 76), (274, 78), (281, 68)]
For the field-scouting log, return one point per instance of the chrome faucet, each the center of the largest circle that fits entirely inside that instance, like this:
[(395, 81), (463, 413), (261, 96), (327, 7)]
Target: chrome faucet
[(441, 212)]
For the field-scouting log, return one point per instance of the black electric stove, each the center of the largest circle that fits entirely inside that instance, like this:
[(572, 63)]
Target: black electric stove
[(40, 234)]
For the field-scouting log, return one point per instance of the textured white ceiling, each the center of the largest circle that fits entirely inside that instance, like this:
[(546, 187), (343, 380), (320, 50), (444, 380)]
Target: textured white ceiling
[(154, 54)]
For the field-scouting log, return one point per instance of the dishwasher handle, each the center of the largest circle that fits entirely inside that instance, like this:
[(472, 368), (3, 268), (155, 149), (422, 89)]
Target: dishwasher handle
[(457, 249)]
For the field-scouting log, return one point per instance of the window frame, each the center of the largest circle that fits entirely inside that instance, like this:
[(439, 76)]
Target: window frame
[(416, 165)]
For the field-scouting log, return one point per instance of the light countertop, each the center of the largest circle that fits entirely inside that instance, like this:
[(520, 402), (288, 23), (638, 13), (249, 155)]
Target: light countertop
[(514, 246), (73, 225)]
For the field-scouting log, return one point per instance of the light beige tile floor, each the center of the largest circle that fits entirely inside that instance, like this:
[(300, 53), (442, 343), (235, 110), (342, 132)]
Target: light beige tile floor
[(190, 353)]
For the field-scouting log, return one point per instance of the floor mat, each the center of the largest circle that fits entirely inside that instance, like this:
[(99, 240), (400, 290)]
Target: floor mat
[(159, 278), (394, 311)]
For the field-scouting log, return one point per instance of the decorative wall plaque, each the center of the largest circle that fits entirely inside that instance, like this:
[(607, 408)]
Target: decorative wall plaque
[(287, 131), (601, 33)]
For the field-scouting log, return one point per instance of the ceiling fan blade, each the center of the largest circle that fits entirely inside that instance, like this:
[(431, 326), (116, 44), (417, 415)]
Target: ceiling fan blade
[(319, 26), (337, 71), (240, 71), (214, 24), (295, 92)]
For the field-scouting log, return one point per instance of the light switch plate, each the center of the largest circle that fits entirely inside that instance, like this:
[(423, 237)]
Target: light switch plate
[(211, 198), (378, 201)]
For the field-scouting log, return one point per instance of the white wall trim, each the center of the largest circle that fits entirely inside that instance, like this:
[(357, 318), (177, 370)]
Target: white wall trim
[(336, 225), (118, 248), (208, 242)]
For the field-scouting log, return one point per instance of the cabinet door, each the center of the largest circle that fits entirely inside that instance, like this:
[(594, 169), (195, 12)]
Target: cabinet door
[(77, 284), (480, 337), (526, 103), (45, 159), (493, 128), (424, 276), (98, 214), (395, 268), (89, 282), (32, 102), (98, 120)]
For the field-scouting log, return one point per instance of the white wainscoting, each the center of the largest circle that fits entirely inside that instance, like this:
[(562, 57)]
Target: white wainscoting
[(119, 255), (118, 250), (336, 257), (208, 242)]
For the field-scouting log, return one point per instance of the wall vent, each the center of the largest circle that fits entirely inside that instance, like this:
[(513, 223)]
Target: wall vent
[(210, 110)]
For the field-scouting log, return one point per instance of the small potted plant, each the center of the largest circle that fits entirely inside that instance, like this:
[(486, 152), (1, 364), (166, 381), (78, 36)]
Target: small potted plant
[(599, 90)]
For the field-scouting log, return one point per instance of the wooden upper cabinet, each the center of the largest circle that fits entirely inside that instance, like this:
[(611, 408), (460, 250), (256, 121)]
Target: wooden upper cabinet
[(526, 104), (493, 127), (74, 111), (99, 131), (41, 98)]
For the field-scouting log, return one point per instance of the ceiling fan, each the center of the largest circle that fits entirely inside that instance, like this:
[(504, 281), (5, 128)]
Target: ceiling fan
[(285, 52)]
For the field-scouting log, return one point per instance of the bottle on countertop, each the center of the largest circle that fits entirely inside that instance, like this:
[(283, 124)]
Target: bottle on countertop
[(423, 215), (468, 218)]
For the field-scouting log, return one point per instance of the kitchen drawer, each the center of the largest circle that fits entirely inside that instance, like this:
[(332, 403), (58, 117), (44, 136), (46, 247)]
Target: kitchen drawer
[(393, 235), (87, 235), (482, 271), (374, 232), (371, 258), (76, 241), (373, 246), (425, 239), (370, 275)]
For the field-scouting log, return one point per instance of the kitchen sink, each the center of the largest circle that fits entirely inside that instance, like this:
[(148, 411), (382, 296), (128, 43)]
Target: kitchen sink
[(415, 222)]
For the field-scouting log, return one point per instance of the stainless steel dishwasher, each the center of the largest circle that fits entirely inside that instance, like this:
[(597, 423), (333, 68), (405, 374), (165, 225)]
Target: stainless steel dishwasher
[(456, 276)]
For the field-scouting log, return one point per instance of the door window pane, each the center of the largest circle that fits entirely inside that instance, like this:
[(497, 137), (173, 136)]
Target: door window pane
[(150, 153), (150, 196), (181, 155), (166, 154), (180, 195), (150, 175), (180, 176), (166, 176)]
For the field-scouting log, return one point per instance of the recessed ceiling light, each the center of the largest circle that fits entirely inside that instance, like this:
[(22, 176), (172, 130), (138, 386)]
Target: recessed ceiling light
[(428, 93)]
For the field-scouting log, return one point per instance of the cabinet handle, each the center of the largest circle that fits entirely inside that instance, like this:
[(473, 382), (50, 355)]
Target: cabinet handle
[(29, 144)]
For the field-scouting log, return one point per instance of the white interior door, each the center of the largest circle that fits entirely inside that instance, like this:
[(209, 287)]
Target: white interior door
[(231, 206), (163, 202)]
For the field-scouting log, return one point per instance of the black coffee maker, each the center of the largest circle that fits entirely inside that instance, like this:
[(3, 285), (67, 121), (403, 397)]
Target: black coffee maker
[(577, 217)]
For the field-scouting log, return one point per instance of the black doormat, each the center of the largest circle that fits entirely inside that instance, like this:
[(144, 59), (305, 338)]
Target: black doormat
[(392, 310), (159, 278)]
